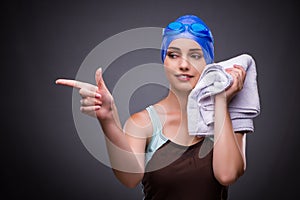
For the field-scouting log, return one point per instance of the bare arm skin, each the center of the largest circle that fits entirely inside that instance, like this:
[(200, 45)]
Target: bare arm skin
[(126, 147), (229, 160)]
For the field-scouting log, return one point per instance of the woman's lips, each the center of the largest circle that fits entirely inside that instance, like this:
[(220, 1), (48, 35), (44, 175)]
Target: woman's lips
[(184, 77)]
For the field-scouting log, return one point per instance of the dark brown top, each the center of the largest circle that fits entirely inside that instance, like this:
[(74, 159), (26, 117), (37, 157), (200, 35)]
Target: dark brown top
[(180, 173)]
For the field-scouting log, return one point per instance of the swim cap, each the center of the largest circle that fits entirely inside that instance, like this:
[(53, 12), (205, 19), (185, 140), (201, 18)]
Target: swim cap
[(190, 27)]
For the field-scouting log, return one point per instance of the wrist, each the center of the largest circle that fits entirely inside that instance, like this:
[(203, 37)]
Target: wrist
[(109, 115), (221, 97)]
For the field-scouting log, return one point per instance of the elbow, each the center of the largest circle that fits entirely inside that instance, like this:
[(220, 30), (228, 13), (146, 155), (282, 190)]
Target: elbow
[(226, 180), (129, 180), (228, 177), (130, 184)]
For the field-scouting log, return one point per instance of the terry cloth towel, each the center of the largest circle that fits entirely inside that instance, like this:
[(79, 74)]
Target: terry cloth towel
[(243, 108)]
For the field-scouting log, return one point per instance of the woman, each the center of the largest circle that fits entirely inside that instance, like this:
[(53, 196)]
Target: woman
[(154, 147)]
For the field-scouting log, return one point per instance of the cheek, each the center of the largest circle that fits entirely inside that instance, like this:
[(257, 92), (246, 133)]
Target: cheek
[(169, 62), (170, 66), (198, 69), (168, 70), (201, 66)]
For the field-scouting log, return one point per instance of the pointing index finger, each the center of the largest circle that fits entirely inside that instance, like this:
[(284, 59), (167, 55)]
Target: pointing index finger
[(70, 83)]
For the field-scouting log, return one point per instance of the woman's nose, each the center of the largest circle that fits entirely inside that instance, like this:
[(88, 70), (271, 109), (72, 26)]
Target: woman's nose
[(184, 64)]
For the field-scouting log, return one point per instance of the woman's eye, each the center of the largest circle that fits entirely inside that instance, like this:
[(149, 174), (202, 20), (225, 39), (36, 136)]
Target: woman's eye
[(196, 56), (172, 55)]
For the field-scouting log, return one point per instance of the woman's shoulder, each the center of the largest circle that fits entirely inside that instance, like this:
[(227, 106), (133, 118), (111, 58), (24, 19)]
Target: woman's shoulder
[(141, 117), (139, 123)]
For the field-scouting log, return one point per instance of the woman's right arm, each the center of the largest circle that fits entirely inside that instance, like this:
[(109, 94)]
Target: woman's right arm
[(126, 147)]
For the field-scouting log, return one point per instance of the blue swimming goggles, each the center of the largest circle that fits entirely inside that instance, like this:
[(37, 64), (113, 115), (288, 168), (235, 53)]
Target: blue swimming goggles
[(197, 29)]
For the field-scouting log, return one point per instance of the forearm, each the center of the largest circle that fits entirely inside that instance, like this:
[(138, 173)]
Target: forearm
[(126, 164), (98, 102), (121, 155), (228, 159)]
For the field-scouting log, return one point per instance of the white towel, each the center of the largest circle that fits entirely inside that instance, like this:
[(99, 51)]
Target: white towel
[(243, 108)]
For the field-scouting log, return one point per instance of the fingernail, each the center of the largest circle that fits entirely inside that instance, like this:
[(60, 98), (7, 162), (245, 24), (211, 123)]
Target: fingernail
[(97, 107), (98, 95)]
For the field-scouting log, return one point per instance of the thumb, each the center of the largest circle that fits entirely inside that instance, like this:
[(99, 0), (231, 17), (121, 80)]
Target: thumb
[(98, 78)]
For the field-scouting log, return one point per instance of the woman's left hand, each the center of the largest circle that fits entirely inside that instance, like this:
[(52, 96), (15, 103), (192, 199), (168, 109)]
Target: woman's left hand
[(238, 74)]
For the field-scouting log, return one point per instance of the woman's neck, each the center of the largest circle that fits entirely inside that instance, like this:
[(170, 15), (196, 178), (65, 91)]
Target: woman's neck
[(173, 112), (177, 101)]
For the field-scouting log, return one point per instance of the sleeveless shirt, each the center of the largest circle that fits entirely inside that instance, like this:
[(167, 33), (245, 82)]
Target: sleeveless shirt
[(177, 172)]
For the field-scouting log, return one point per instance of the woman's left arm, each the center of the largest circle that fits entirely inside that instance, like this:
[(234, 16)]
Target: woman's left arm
[(229, 156)]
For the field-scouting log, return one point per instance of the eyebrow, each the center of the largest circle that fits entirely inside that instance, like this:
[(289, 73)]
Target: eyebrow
[(178, 49), (197, 49), (174, 48)]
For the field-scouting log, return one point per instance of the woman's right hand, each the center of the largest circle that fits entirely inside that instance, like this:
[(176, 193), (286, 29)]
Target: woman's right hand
[(96, 101)]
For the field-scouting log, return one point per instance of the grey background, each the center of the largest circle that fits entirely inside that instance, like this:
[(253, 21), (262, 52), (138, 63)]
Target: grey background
[(42, 156)]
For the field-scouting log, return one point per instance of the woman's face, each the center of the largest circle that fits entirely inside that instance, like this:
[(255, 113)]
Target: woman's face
[(184, 64)]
